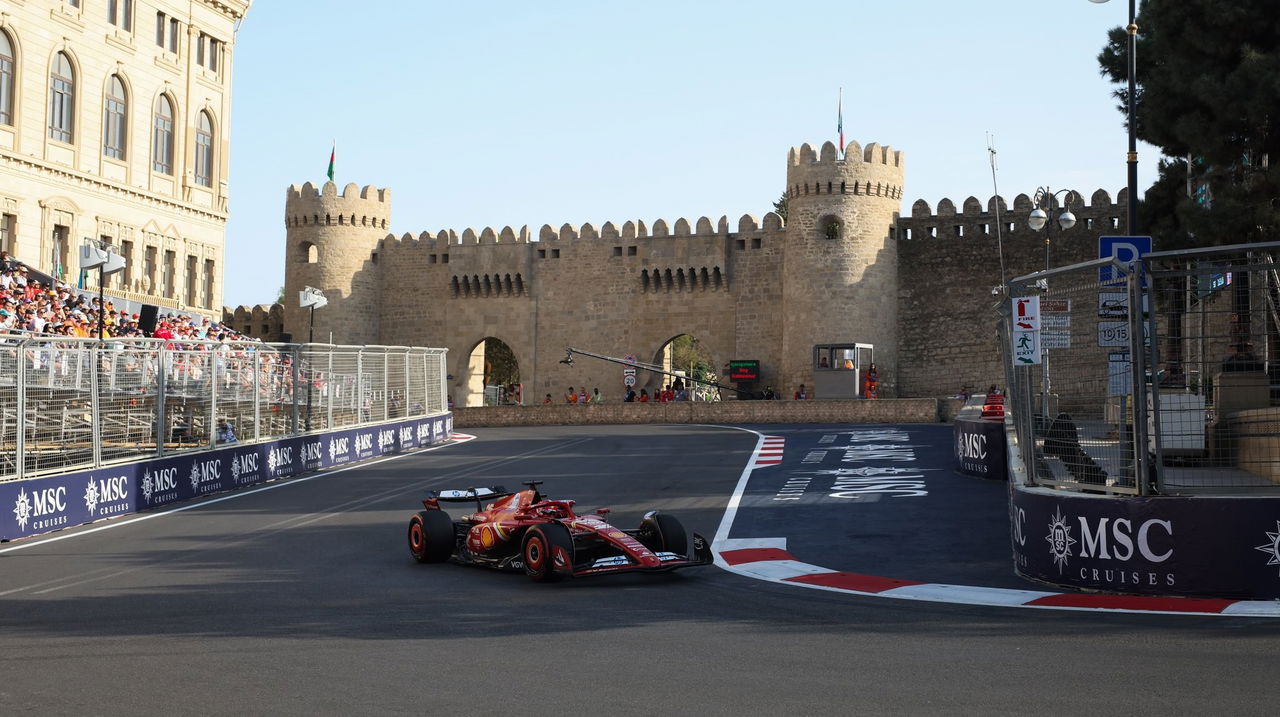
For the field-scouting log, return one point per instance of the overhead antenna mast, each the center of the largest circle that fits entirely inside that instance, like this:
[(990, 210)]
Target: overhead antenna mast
[(991, 152)]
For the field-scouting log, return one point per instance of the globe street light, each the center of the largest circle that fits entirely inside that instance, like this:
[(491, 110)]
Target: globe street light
[(1132, 30), (1039, 219)]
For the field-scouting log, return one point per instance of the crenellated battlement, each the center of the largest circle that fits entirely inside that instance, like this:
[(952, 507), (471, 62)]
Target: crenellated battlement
[(366, 207), (682, 228), (874, 153), (874, 171), (1097, 214)]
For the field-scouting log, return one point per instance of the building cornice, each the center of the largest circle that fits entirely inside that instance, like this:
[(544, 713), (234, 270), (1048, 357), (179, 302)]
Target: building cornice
[(84, 179), (234, 9)]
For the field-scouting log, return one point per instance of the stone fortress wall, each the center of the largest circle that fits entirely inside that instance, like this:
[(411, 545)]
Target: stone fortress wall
[(846, 268)]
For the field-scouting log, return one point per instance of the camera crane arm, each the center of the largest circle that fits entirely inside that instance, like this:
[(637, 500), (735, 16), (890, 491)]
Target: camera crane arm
[(570, 352)]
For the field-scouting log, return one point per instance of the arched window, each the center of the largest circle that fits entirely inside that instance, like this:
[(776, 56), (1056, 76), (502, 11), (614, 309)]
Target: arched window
[(308, 253), (162, 137), (204, 150), (62, 99), (6, 79), (115, 120)]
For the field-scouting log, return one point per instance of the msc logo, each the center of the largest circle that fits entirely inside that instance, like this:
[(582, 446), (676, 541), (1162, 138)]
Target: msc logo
[(971, 446), (386, 439), (439, 429), (279, 459), (424, 433), (406, 436), (311, 452), (160, 486), (43, 508), (339, 447), (106, 491), (244, 467), (206, 475), (364, 442)]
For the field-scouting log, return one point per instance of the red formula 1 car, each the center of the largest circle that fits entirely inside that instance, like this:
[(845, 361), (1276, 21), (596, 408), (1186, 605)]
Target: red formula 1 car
[(545, 538)]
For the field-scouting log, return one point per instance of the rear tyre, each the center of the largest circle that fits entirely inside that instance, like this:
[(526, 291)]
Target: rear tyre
[(431, 536), (662, 533), (548, 552)]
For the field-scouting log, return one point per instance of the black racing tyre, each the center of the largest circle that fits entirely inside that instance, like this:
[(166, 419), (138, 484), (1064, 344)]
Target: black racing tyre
[(661, 532), (540, 549), (431, 536)]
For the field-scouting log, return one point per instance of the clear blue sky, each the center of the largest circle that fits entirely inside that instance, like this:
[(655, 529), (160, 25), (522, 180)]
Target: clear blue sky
[(504, 113)]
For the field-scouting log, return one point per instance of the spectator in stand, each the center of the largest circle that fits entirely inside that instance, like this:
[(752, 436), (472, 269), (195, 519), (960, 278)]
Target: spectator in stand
[(801, 394), (595, 396), (629, 396), (644, 395), (226, 432), (547, 401), (582, 396), (571, 397)]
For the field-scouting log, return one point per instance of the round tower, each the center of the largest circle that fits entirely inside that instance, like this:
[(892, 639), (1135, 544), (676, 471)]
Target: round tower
[(332, 244), (840, 271)]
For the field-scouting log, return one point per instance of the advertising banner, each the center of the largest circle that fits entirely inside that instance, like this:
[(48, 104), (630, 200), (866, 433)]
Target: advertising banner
[(40, 505), (1222, 547), (980, 448)]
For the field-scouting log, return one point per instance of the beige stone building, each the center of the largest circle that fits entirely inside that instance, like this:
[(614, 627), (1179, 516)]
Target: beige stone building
[(114, 126)]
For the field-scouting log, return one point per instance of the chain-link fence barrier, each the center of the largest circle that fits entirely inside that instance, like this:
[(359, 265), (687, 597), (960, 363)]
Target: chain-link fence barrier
[(1158, 376), (71, 403)]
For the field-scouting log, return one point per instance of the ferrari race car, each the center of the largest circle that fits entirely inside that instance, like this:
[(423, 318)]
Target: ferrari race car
[(525, 531)]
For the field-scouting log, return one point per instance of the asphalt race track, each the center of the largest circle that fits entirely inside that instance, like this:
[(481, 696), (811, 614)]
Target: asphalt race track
[(300, 598)]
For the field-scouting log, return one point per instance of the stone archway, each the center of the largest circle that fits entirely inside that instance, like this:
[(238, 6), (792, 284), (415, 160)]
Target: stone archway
[(686, 355), (491, 375)]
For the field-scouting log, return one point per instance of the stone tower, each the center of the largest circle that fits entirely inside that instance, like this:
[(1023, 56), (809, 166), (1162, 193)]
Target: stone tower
[(840, 269), (331, 245)]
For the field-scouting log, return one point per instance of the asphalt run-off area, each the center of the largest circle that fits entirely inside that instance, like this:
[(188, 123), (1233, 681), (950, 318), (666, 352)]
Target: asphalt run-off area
[(300, 596)]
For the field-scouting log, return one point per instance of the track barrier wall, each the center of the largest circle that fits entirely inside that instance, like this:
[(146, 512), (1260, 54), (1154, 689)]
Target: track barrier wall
[(40, 505)]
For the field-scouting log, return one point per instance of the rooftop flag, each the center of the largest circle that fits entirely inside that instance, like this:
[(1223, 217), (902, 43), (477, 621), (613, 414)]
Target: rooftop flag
[(840, 120), (332, 155)]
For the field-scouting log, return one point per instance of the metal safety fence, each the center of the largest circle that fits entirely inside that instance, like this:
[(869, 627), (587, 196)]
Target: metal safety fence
[(71, 403), (1154, 377)]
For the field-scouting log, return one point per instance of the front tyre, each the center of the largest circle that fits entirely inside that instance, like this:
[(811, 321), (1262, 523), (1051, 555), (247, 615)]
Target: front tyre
[(548, 552), (662, 533), (431, 536)]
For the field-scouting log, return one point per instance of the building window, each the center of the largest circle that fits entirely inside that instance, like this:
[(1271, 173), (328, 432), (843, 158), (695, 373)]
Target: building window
[(192, 283), (120, 14), (149, 269), (208, 283), (73, 3), (8, 232), (204, 151), (126, 275), (62, 99), (162, 141), (170, 259), (114, 122), (6, 79), (60, 251), (162, 22), (207, 52)]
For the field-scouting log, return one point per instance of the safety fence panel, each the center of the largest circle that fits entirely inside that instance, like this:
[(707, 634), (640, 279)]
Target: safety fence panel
[(128, 385), (1214, 316), (68, 403), (1073, 406)]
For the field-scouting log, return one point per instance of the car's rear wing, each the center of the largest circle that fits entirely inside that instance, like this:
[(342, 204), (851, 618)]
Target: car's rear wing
[(468, 495)]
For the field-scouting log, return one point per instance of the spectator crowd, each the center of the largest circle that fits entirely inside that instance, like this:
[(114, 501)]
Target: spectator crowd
[(35, 308)]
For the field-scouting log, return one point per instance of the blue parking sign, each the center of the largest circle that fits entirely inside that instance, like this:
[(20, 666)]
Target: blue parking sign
[(1125, 249)]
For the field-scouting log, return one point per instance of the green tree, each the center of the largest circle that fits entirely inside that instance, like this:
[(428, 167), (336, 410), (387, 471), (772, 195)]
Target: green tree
[(780, 207), (1207, 91), (500, 363)]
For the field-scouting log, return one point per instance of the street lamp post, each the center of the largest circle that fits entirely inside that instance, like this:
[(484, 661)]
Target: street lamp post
[(1044, 201), (1132, 71), (310, 298), (101, 256)]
